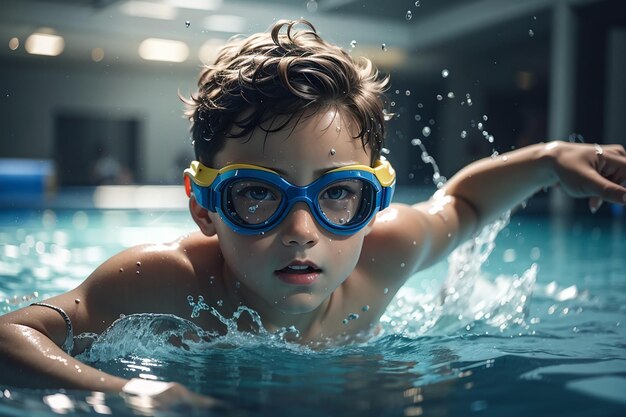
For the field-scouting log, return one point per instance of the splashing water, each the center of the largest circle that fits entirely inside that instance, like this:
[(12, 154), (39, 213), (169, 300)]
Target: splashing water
[(467, 299), (438, 179)]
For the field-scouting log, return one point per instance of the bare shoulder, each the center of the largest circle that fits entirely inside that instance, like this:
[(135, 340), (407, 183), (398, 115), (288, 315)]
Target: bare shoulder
[(153, 278), (141, 279), (396, 245), (408, 238)]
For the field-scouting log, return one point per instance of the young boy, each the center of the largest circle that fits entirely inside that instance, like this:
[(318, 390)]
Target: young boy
[(290, 195)]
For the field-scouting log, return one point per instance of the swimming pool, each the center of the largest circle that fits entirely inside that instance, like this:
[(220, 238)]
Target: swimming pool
[(539, 329)]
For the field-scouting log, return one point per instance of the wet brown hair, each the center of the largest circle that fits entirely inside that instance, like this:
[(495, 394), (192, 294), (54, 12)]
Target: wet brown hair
[(283, 75)]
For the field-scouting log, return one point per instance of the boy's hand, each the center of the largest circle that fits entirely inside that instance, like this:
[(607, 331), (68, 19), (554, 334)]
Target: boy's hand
[(590, 170), (145, 396)]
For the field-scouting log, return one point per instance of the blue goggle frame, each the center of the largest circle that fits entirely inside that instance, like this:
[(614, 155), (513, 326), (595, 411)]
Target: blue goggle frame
[(209, 187)]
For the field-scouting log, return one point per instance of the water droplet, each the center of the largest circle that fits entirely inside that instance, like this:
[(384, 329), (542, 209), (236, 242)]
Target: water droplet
[(485, 117), (407, 93), (345, 321), (386, 290), (77, 300), (121, 269), (415, 142), (333, 151), (463, 134), (469, 101), (490, 139), (409, 15), (365, 308), (393, 104), (353, 44), (187, 23), (418, 117), (252, 209), (137, 272), (417, 3), (138, 263), (402, 265), (384, 47), (426, 131), (505, 158), (385, 151), (397, 91), (353, 316), (451, 94), (420, 105), (311, 6), (439, 97), (480, 126), (445, 73), (220, 303), (531, 33), (237, 284)]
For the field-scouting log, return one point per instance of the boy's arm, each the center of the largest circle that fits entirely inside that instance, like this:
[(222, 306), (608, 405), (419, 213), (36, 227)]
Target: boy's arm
[(411, 238), (495, 185), (30, 338)]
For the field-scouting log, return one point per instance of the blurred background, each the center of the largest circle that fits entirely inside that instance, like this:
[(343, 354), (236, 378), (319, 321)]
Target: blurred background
[(89, 113)]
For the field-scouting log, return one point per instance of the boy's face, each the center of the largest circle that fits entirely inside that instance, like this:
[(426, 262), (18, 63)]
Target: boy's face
[(261, 262)]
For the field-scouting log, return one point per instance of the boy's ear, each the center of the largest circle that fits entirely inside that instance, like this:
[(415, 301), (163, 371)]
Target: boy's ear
[(201, 217)]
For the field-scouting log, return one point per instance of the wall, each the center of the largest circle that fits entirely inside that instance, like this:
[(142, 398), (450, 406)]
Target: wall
[(149, 97)]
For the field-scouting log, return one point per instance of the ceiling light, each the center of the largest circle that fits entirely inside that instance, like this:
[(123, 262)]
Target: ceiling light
[(208, 50), (195, 4), (14, 43), (44, 44), (151, 10), (153, 49), (97, 54), (225, 23)]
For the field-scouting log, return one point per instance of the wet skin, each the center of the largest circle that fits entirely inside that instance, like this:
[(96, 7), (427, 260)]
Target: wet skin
[(358, 274)]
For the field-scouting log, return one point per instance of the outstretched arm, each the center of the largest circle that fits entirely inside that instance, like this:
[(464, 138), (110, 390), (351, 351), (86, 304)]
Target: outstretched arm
[(414, 237), (494, 185)]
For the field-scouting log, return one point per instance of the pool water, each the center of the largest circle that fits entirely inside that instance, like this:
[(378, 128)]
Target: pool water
[(534, 325)]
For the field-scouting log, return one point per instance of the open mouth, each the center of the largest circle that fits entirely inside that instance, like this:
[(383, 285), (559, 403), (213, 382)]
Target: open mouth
[(299, 273), (299, 269)]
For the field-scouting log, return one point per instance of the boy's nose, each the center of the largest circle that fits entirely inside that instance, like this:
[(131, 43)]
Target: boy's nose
[(299, 227)]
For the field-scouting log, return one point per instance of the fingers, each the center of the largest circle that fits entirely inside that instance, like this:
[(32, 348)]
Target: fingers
[(617, 149), (606, 189), (595, 203), (614, 166)]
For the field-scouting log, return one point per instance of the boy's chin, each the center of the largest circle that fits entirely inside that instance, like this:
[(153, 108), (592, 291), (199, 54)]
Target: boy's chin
[(299, 303)]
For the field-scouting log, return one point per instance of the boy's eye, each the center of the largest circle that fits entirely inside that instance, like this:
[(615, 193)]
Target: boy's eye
[(257, 193), (336, 193)]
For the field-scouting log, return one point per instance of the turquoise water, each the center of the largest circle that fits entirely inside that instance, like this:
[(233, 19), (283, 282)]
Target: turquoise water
[(537, 328)]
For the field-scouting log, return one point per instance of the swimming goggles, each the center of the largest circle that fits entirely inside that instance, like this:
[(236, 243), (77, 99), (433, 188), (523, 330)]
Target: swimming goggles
[(253, 200)]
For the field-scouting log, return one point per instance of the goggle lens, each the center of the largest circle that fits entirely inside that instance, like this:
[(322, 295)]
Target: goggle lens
[(346, 202), (251, 202)]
